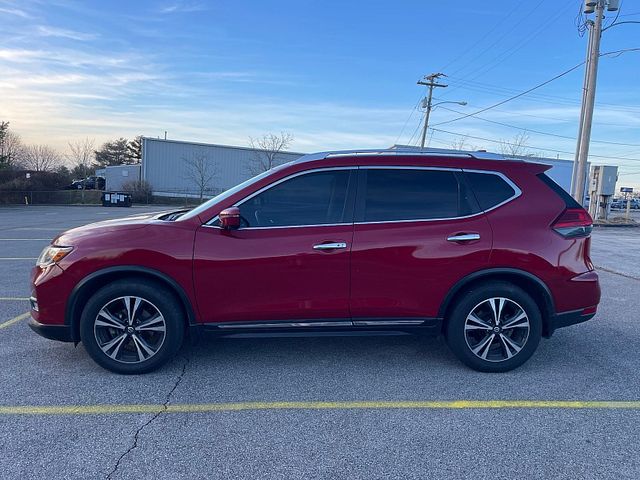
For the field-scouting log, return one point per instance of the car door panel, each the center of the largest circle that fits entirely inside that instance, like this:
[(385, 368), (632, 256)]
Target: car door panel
[(272, 274), (289, 260), (406, 269)]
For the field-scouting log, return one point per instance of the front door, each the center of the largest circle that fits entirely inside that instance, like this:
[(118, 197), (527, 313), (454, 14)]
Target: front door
[(288, 261)]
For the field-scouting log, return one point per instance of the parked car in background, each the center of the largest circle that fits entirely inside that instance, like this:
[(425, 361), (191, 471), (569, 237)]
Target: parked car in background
[(490, 253), (89, 183), (618, 204)]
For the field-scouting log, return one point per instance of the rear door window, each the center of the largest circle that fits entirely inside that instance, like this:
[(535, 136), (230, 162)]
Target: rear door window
[(396, 194)]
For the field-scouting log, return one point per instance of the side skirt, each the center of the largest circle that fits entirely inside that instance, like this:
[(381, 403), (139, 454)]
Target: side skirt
[(324, 327)]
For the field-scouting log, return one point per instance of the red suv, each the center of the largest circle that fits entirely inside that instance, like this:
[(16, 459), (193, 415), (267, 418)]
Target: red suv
[(489, 252)]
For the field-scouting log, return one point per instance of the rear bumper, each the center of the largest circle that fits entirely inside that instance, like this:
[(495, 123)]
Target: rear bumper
[(565, 319), (61, 333)]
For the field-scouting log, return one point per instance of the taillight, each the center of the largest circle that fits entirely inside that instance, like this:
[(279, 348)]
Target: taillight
[(573, 223)]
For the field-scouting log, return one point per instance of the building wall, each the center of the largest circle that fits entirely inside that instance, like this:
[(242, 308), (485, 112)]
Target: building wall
[(165, 165), (116, 176)]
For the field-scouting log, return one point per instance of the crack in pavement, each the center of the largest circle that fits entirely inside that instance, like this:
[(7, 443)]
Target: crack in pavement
[(598, 267), (155, 415)]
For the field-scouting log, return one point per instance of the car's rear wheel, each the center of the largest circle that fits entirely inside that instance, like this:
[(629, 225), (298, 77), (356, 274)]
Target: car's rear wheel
[(494, 327), (132, 327)]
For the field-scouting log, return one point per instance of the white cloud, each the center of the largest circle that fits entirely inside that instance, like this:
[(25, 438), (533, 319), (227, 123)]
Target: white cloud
[(15, 11), (183, 7), (48, 31)]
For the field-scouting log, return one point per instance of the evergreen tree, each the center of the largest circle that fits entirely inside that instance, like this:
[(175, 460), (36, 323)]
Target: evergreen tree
[(113, 153), (134, 150)]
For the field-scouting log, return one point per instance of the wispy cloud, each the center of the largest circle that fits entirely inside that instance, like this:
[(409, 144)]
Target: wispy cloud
[(15, 11), (183, 7), (48, 31)]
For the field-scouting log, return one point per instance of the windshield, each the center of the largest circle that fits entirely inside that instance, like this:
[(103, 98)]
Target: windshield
[(227, 193)]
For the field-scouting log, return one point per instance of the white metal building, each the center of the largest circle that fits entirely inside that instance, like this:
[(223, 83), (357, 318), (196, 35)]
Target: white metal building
[(167, 165)]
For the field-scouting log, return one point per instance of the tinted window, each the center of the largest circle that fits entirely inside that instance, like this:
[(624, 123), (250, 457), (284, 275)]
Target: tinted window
[(310, 199), (490, 189), (403, 194)]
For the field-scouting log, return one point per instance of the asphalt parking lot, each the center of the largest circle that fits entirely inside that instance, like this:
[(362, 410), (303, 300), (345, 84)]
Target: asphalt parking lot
[(323, 407)]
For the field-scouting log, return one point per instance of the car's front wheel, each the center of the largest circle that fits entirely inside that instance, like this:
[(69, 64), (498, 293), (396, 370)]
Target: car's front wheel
[(494, 327), (132, 327)]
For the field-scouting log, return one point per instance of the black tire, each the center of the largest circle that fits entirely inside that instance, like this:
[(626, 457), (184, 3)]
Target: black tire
[(465, 333), (153, 296)]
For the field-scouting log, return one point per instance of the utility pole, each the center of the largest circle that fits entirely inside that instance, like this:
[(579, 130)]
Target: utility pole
[(589, 93), (595, 30), (585, 89), (431, 82)]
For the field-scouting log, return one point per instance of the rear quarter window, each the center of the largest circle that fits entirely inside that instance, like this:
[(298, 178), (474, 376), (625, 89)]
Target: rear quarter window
[(490, 189)]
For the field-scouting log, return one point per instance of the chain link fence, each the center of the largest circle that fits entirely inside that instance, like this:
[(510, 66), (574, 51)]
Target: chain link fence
[(182, 198)]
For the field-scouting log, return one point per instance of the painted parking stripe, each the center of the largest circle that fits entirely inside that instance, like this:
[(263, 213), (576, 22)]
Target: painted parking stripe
[(24, 239), (8, 323), (358, 405), (18, 258), (14, 299)]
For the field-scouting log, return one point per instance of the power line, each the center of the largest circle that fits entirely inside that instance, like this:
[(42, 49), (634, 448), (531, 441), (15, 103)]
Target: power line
[(515, 96), (532, 147), (485, 36), (499, 59), (526, 129), (535, 88), (413, 110), (501, 38)]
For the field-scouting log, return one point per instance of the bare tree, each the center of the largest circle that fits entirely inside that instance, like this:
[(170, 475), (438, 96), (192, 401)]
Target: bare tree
[(461, 143), (81, 154), (200, 171), (11, 148), (515, 147), (40, 158), (266, 150)]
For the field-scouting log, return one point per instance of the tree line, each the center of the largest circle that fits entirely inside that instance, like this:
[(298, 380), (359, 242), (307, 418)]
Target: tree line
[(80, 161)]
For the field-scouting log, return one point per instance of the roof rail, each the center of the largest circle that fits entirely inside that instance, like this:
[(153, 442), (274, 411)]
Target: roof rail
[(398, 152)]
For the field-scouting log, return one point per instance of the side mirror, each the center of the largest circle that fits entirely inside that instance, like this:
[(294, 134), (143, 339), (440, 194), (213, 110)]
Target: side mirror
[(230, 218)]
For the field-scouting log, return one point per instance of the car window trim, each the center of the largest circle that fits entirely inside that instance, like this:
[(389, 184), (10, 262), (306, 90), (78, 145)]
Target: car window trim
[(350, 198), (362, 179)]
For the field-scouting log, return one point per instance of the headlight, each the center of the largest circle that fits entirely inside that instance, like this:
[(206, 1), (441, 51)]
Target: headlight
[(52, 254)]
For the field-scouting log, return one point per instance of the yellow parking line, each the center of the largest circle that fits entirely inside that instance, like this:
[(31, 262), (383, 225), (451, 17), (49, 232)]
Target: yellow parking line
[(14, 320), (355, 405)]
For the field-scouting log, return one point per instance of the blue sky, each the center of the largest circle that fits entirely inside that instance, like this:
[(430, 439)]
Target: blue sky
[(334, 74)]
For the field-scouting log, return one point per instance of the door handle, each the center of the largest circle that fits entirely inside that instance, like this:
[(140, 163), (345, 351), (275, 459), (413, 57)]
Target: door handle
[(463, 237), (330, 246)]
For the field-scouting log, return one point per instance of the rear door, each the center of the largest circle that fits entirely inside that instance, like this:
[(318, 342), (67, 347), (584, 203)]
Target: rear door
[(417, 232)]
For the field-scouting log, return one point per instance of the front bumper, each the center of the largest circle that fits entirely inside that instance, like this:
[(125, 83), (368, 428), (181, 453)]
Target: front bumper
[(62, 333)]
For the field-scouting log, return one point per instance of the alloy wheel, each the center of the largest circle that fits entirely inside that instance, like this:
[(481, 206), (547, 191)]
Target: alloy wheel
[(497, 329), (130, 329)]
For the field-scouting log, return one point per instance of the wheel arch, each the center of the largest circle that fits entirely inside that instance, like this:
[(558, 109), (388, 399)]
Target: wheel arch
[(82, 292), (530, 283)]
